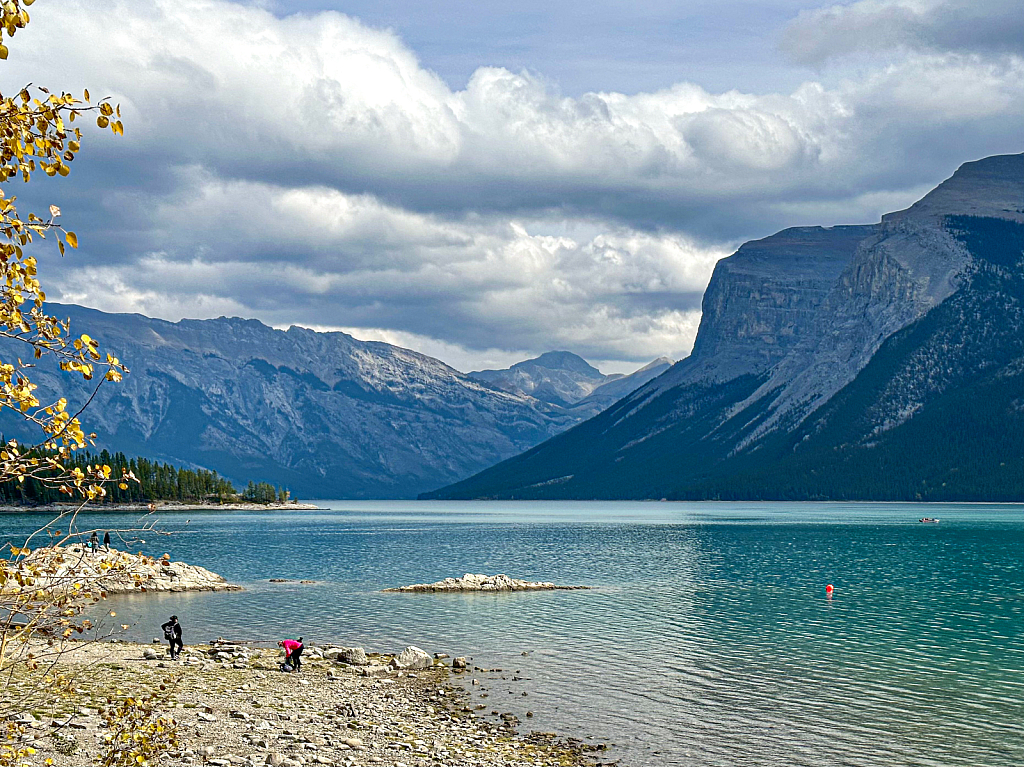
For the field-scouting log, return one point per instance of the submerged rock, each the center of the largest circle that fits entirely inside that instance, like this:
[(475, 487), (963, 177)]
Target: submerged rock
[(476, 582)]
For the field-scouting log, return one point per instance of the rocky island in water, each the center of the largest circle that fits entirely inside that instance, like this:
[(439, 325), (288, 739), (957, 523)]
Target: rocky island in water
[(477, 582)]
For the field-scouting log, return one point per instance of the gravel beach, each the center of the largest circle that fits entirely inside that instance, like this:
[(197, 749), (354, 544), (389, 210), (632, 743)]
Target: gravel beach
[(234, 706)]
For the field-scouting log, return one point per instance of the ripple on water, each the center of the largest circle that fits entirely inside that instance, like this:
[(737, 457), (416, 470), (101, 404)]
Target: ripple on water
[(708, 639)]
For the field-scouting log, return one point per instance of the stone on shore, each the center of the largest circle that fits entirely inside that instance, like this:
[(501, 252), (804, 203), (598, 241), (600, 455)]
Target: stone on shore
[(477, 582), (354, 656), (412, 658)]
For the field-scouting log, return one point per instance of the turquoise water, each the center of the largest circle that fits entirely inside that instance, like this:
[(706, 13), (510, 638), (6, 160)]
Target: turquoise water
[(707, 639)]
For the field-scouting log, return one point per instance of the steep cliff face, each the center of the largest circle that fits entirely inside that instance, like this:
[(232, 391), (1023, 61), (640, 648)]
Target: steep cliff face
[(789, 327), (762, 300), (323, 413)]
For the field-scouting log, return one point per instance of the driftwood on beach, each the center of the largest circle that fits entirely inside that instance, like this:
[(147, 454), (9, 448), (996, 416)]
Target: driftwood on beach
[(120, 572), (476, 582)]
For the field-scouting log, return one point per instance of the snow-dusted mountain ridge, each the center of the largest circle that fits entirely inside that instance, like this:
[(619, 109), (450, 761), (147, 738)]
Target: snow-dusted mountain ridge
[(323, 414)]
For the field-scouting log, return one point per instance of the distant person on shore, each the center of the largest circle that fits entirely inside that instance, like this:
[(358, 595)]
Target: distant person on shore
[(106, 541), (172, 633), (292, 653), (94, 542)]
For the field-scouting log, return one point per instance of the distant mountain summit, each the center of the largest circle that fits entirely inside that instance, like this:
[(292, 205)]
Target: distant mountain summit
[(559, 378), (568, 381), (858, 362)]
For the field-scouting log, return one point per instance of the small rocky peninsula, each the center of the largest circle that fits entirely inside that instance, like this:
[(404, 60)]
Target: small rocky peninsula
[(121, 572), (476, 582)]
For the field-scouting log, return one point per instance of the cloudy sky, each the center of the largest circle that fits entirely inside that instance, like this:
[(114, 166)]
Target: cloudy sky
[(485, 181)]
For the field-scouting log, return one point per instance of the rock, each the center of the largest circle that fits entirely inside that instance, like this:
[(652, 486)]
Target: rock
[(281, 580), (150, 654), (275, 759), (459, 663), (477, 582), (204, 717), (374, 671), (354, 656), (412, 658), (356, 744), (207, 751)]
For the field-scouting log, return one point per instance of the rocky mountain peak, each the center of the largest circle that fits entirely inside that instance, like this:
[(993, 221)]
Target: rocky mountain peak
[(558, 377), (562, 360)]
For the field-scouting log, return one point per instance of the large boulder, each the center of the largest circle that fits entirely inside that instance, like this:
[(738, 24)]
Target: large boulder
[(354, 656), (412, 658)]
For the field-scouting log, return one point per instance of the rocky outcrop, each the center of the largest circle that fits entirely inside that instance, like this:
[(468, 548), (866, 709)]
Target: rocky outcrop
[(475, 582), (120, 572), (762, 300)]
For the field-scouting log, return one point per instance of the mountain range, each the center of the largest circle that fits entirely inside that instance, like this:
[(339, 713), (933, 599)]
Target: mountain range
[(323, 414), (883, 361)]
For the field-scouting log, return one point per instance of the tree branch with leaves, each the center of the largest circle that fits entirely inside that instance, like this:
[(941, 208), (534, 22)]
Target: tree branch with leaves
[(43, 595)]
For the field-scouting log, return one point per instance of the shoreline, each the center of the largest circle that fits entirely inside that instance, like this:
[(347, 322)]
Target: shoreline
[(63, 508), (235, 708)]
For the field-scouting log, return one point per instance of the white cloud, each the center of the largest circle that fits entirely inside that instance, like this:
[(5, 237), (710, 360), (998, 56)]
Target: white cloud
[(308, 169), (621, 294)]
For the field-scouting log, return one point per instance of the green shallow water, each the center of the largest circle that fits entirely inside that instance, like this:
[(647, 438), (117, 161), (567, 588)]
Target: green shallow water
[(707, 638)]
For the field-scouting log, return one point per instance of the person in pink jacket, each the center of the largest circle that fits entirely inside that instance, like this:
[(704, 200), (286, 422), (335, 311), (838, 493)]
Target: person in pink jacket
[(292, 652)]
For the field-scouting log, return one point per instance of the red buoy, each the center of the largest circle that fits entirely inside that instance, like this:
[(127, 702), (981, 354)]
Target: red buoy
[(829, 589)]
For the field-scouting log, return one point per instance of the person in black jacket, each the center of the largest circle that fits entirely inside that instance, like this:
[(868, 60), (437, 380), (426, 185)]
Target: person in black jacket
[(172, 633)]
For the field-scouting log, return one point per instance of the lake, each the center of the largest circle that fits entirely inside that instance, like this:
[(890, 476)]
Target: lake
[(707, 639)]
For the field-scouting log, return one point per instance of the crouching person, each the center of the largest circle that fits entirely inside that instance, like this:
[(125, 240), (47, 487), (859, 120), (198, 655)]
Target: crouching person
[(292, 654)]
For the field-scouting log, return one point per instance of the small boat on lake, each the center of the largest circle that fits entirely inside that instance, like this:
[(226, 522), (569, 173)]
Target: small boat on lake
[(929, 519)]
